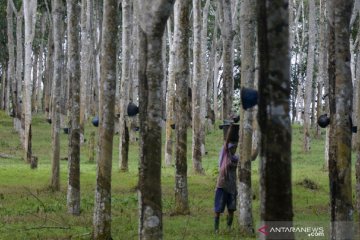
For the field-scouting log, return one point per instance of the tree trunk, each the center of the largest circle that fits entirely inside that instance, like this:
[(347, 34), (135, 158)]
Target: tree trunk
[(125, 82), (309, 74), (197, 126), (30, 21), (207, 57), (227, 38), (49, 75), (323, 71), (134, 70), (248, 20), (73, 191), (19, 74), (35, 66), (204, 69), (357, 141), (211, 100), (318, 107), (102, 208), (56, 94), (181, 75), (38, 104), (150, 80), (340, 112), (87, 58), (170, 98), (274, 118), (11, 79)]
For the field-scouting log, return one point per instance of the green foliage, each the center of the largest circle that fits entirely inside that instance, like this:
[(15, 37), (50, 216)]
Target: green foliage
[(30, 210)]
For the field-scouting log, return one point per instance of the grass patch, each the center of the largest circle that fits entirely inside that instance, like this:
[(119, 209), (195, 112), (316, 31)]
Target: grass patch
[(29, 210)]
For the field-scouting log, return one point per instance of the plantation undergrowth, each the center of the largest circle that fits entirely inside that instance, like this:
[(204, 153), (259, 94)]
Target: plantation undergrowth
[(30, 210)]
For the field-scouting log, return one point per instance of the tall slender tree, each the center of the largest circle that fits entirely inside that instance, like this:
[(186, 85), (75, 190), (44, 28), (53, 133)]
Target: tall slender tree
[(181, 74), (274, 117), (153, 15), (102, 208), (73, 192), (357, 163), (227, 35), (30, 21), (57, 9), (309, 74), (11, 51), (170, 97), (248, 20), (197, 79), (19, 72), (87, 60), (125, 84), (340, 96)]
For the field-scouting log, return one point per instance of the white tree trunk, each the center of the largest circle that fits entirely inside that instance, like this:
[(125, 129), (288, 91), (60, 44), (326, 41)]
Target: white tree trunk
[(227, 34), (19, 74), (56, 94), (309, 74), (125, 84), (197, 85), (102, 207), (30, 21), (247, 19), (170, 98), (11, 79)]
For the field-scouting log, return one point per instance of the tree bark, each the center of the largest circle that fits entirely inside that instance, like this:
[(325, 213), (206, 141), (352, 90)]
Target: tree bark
[(19, 74), (57, 9), (309, 74), (30, 21), (357, 140), (274, 118), (102, 208), (48, 80), (248, 20), (153, 15), (39, 100), (170, 98), (73, 191), (35, 67), (125, 84), (87, 61), (340, 84), (181, 75), (227, 35), (11, 79), (197, 122), (323, 70)]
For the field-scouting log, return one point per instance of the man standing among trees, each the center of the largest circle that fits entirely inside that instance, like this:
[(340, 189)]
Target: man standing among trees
[(226, 191)]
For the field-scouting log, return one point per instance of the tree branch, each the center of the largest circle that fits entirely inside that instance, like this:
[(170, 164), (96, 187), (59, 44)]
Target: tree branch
[(13, 7)]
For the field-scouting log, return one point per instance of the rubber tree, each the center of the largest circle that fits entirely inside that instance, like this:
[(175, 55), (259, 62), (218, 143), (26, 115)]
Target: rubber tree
[(197, 90), (125, 84), (30, 21), (248, 44), (57, 9), (340, 103), (181, 74), (73, 191), (153, 15), (274, 114), (102, 207)]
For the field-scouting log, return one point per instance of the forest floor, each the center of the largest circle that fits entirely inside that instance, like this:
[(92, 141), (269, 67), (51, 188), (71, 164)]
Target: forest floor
[(30, 210)]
